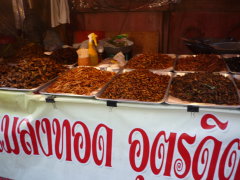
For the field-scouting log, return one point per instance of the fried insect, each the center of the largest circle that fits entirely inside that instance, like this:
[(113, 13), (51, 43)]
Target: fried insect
[(204, 88), (81, 81), (201, 62), (150, 61), (31, 73), (140, 85)]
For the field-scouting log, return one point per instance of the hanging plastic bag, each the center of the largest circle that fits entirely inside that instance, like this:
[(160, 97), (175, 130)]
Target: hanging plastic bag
[(52, 41), (19, 14)]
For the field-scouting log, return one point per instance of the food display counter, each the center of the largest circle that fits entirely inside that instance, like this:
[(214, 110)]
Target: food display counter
[(69, 137), (46, 134)]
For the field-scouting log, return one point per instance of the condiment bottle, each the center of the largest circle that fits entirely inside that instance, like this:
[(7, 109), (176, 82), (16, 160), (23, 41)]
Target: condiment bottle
[(83, 57), (92, 43)]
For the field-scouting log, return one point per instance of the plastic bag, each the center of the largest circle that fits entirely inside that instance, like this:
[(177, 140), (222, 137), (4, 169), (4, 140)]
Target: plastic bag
[(52, 41), (19, 13)]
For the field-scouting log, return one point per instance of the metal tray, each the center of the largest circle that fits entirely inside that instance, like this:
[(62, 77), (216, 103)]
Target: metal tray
[(187, 55), (43, 89), (35, 90), (230, 55), (237, 77), (227, 56), (176, 101), (97, 96), (173, 56), (226, 47), (16, 89)]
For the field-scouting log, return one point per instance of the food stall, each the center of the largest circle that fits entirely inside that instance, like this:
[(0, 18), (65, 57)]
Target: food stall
[(139, 131), (85, 138), (156, 116)]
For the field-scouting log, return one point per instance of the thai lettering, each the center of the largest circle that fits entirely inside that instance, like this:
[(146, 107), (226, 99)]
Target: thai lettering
[(137, 150), (55, 138), (5, 145), (45, 127), (181, 155), (82, 142), (178, 165), (26, 131), (98, 144)]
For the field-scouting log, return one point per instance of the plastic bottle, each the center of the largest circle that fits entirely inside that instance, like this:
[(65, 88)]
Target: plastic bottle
[(92, 43), (83, 57)]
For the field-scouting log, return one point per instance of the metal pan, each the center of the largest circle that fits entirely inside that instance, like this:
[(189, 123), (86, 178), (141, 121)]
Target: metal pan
[(227, 57), (35, 90), (169, 69), (236, 78), (226, 47), (16, 89), (97, 96), (187, 55), (176, 101), (43, 91), (91, 95)]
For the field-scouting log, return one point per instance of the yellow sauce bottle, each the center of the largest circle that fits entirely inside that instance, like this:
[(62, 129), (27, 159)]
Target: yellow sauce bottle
[(92, 43)]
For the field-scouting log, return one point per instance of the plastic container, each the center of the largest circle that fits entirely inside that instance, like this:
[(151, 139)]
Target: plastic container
[(83, 57)]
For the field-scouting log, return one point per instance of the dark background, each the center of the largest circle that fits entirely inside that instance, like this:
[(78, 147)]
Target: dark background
[(151, 29)]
